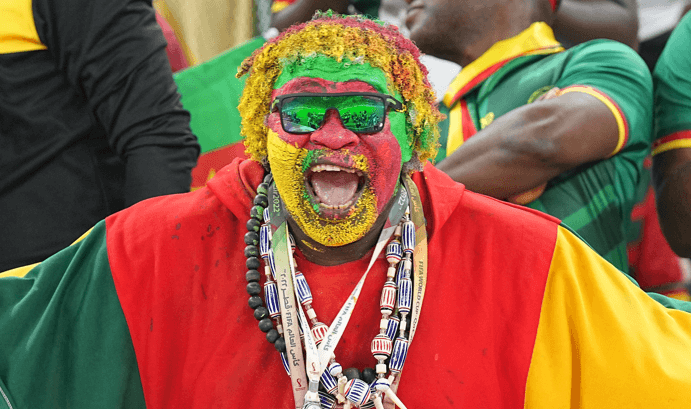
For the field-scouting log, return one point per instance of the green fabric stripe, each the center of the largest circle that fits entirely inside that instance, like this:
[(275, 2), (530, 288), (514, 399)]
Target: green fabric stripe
[(211, 93), (64, 341), (443, 133), (618, 256), (591, 210), (605, 234)]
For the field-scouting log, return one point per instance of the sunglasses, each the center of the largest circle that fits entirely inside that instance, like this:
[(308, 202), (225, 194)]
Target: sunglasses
[(360, 112)]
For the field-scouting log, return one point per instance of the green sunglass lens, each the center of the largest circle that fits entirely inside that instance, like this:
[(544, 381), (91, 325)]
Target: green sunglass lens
[(361, 114), (300, 116)]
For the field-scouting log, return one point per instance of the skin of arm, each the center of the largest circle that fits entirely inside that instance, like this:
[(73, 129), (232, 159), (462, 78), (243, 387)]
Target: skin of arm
[(578, 21), (530, 145), (302, 10), (672, 182)]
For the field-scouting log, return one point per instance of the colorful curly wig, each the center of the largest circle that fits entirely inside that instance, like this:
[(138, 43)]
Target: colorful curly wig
[(349, 39)]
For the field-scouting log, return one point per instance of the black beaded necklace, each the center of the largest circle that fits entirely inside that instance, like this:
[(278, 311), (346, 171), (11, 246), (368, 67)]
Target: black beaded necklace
[(261, 313)]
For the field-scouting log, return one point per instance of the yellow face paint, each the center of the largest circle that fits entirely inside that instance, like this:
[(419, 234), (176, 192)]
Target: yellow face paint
[(288, 165)]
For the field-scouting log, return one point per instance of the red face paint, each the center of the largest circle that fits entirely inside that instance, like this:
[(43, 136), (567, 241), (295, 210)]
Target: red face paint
[(363, 169)]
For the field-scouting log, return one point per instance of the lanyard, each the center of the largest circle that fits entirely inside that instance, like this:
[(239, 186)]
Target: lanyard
[(318, 357), (286, 299), (419, 273)]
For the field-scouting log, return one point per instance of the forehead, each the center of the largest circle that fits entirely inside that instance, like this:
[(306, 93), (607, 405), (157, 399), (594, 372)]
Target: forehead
[(308, 75), (307, 84)]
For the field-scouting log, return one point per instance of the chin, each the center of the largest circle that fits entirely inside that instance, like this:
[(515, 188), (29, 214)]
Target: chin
[(330, 231)]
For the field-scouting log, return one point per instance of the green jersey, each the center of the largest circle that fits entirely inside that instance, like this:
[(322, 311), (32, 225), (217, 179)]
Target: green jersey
[(594, 199), (673, 92)]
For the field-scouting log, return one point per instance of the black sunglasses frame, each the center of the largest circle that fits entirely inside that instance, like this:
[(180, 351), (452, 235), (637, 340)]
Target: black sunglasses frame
[(389, 102)]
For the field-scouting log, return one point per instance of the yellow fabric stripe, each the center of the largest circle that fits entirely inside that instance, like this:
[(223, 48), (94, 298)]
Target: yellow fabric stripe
[(82, 237), (455, 138), (602, 342), (23, 270), (533, 40), (19, 271), (17, 29), (675, 144), (618, 116)]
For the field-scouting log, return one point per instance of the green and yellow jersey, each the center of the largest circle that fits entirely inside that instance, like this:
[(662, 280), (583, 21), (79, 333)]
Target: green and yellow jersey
[(673, 92), (594, 199)]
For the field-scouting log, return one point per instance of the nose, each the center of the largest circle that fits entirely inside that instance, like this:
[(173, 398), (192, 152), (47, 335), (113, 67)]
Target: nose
[(333, 135)]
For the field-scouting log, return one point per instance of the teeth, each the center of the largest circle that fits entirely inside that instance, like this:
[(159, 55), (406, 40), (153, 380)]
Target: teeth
[(333, 168), (343, 206)]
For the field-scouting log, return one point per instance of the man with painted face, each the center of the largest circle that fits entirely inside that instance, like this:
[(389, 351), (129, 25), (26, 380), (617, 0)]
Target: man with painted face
[(561, 131), (487, 304)]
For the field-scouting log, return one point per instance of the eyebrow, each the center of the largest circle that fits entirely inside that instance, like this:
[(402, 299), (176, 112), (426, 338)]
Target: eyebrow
[(310, 82)]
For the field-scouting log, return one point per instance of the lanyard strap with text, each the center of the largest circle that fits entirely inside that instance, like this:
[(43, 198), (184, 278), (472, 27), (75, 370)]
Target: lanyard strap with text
[(280, 248), (419, 270)]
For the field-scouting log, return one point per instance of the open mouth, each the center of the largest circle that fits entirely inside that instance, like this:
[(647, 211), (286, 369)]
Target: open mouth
[(334, 188)]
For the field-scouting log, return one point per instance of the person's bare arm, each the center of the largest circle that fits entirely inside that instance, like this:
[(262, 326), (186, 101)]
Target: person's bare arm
[(672, 182), (532, 144), (302, 10), (578, 21)]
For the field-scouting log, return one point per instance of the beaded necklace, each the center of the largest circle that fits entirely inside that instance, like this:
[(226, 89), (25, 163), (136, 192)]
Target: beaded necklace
[(332, 385)]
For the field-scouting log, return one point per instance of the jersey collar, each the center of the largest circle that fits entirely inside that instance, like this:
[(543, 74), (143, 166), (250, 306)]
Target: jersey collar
[(536, 39)]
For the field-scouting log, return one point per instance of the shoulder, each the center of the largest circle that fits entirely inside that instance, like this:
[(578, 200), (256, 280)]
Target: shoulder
[(448, 205), (174, 222), (603, 46), (607, 57)]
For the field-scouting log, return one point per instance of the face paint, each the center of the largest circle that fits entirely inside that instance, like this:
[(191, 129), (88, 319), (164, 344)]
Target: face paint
[(329, 69), (330, 227), (334, 183)]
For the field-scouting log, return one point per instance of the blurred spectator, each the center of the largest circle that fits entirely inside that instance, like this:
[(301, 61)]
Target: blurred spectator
[(564, 132), (578, 21), (176, 55), (90, 120), (206, 28), (671, 150), (288, 12), (657, 19), (651, 260)]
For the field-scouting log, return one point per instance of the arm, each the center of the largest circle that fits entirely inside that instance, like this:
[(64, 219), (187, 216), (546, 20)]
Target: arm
[(578, 21), (598, 334), (302, 10), (672, 182), (603, 106), (671, 153), (532, 144), (69, 297), (113, 53)]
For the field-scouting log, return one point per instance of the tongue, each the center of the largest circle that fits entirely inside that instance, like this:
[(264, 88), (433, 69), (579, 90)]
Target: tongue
[(334, 188)]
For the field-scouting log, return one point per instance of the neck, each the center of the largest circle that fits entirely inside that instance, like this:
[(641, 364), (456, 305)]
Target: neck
[(332, 256), (507, 21)]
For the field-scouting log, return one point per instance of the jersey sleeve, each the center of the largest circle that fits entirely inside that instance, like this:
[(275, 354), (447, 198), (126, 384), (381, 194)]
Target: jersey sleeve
[(614, 74), (65, 342), (113, 54), (672, 79), (603, 342)]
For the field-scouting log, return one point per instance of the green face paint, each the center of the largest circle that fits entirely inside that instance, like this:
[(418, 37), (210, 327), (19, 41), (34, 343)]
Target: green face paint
[(320, 66)]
